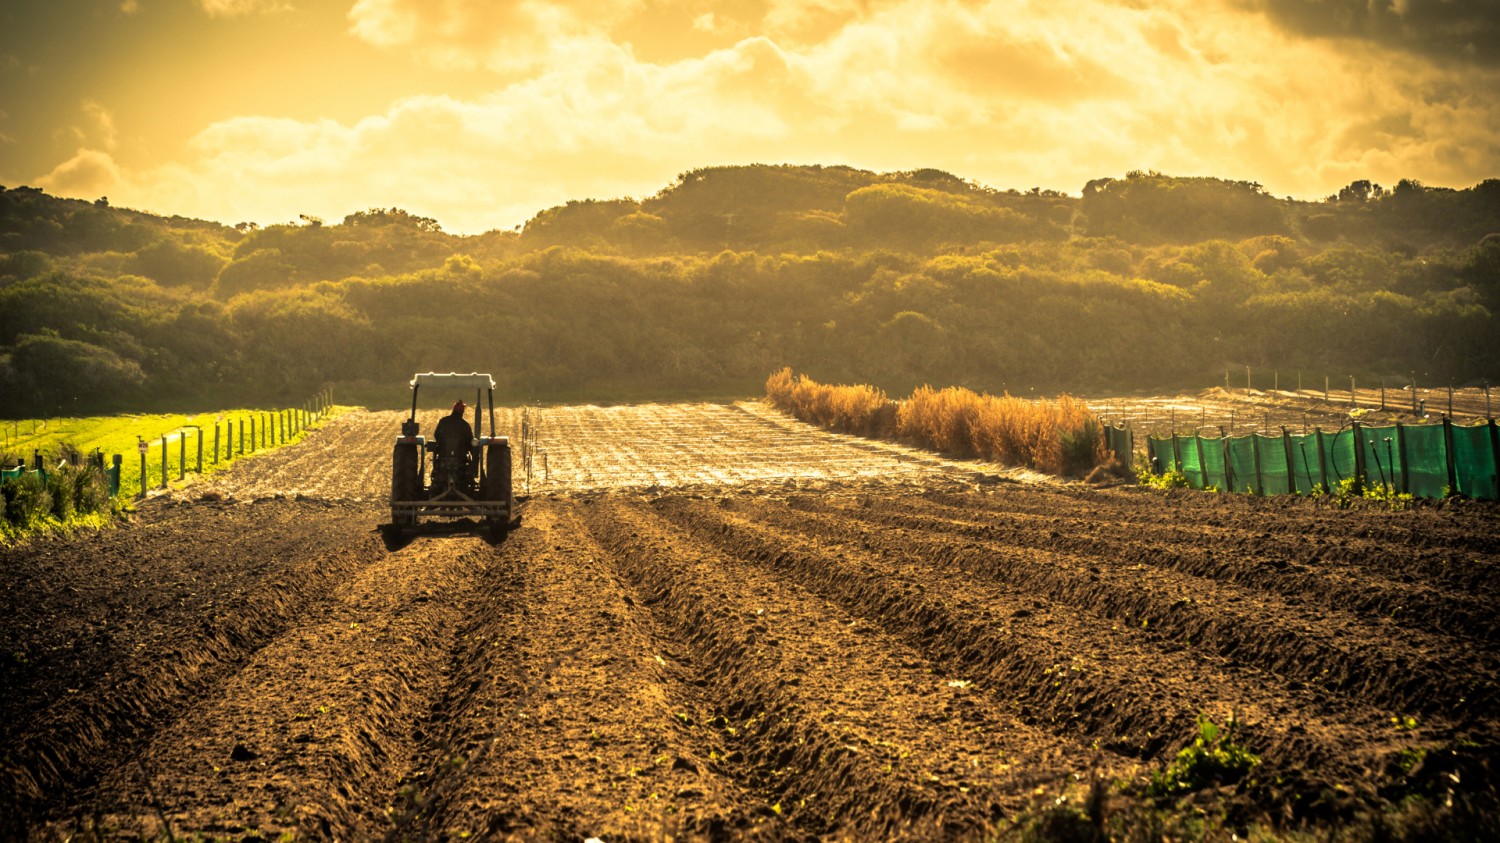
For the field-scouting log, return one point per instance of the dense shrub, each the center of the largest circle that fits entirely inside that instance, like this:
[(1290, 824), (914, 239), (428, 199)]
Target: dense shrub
[(65, 493), (28, 501), (893, 279)]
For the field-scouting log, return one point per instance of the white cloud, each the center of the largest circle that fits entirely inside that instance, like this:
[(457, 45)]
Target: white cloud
[(88, 174), (510, 37), (99, 124), (238, 8), (1044, 95)]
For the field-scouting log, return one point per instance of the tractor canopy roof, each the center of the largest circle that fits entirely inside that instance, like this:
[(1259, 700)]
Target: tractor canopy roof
[(472, 380)]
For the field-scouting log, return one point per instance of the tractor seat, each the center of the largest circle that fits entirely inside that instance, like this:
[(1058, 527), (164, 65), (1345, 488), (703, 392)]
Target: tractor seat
[(452, 446)]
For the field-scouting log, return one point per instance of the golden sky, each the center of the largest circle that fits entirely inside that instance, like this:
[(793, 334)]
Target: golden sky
[(480, 114)]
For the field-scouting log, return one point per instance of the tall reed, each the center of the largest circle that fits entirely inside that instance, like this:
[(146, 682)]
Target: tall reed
[(1061, 436)]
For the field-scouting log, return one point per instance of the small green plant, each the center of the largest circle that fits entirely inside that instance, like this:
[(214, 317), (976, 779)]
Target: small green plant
[(1213, 758), (1409, 759), (1172, 479), (1397, 501), (1403, 722), (1346, 491)]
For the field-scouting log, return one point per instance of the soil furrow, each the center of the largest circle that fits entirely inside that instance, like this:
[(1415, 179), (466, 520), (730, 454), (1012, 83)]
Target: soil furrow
[(312, 736), (835, 718), (484, 667), (1406, 670), (1446, 572), (585, 735), (1425, 543), (61, 750), (1078, 677)]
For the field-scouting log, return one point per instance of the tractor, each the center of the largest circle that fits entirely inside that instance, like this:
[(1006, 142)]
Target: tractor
[(468, 476)]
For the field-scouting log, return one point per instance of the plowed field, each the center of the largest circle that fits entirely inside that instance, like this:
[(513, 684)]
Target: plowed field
[(717, 622)]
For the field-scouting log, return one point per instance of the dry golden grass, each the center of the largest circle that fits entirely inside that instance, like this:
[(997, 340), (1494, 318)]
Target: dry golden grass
[(862, 410), (1057, 437)]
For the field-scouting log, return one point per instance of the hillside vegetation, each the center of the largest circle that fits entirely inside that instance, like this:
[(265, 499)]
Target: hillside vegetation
[(730, 273)]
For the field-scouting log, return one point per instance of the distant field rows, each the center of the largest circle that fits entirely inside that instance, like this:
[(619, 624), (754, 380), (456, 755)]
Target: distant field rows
[(1240, 412)]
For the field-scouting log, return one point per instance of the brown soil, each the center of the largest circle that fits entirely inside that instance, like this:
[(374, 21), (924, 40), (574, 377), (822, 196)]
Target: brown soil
[(716, 622)]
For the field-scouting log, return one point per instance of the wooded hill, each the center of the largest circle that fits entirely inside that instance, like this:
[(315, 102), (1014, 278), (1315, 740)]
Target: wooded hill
[(896, 279)]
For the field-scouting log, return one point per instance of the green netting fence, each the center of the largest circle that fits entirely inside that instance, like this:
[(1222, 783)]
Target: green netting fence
[(1425, 461), (111, 473), (1120, 441)]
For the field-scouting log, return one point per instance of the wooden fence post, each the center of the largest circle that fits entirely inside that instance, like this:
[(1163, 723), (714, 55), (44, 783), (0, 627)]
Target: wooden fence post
[(216, 443), (1322, 461), (1291, 474), (181, 453), (142, 447), (1202, 464), (164, 461), (1401, 455), (1260, 486), (1228, 468), (1448, 454), (1359, 453)]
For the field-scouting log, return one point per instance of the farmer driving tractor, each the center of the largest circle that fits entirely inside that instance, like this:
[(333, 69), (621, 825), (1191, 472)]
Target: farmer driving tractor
[(453, 432), (455, 440)]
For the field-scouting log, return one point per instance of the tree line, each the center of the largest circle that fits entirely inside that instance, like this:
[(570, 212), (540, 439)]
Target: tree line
[(897, 279)]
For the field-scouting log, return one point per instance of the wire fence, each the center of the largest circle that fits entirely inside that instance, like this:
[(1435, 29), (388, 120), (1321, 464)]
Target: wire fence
[(163, 456)]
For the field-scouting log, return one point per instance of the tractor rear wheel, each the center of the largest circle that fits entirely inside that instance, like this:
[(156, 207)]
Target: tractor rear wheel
[(406, 483), (497, 486)]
